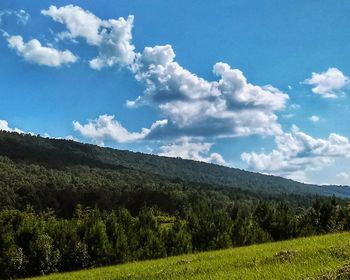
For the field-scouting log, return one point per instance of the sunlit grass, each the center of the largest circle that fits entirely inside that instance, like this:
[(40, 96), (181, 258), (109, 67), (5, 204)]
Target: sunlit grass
[(304, 258)]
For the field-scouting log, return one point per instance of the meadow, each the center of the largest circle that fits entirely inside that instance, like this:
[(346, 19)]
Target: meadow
[(321, 257)]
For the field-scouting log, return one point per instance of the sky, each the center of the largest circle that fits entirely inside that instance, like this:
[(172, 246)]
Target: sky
[(257, 85)]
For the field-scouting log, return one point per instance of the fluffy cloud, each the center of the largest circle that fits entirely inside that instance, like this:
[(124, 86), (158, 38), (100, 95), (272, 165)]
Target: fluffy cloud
[(328, 84), (187, 149), (21, 16), (314, 119), (34, 52), (112, 37), (80, 23), (115, 47), (106, 127), (297, 153), (194, 106), (5, 127)]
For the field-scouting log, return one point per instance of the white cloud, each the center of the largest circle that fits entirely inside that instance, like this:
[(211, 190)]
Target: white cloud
[(63, 36), (194, 106), (79, 22), (106, 127), (294, 106), (314, 119), (297, 153), (5, 127), (72, 138), (328, 84), (344, 176), (288, 116), (33, 51), (112, 37), (21, 16), (187, 149), (115, 47)]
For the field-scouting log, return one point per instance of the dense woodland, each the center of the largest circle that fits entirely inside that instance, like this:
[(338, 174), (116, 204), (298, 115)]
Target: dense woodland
[(40, 243), (66, 206), (57, 154)]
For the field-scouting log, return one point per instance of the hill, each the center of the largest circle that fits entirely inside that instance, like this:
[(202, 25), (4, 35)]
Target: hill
[(322, 257), (66, 206), (56, 153)]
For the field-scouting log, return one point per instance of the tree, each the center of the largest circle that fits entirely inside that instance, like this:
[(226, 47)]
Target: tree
[(150, 243), (284, 223), (118, 239), (96, 239), (177, 239)]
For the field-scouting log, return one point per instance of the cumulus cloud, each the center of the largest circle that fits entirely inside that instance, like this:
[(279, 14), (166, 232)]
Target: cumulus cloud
[(187, 149), (115, 47), (194, 106), (22, 17), (297, 153), (314, 119), (328, 84), (112, 37), (33, 51), (106, 127), (80, 23), (4, 125)]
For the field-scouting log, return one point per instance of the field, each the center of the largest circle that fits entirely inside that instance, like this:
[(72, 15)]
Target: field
[(322, 257)]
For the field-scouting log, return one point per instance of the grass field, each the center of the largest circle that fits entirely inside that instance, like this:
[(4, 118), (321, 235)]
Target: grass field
[(322, 257)]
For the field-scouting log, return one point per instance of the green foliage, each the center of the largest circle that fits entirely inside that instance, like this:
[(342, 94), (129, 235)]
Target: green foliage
[(58, 153), (66, 206), (178, 239), (322, 257), (41, 243), (119, 241)]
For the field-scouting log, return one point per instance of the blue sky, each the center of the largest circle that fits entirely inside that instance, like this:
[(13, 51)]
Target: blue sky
[(259, 85)]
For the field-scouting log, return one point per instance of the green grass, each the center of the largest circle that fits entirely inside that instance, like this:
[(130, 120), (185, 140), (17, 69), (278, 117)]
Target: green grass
[(321, 257)]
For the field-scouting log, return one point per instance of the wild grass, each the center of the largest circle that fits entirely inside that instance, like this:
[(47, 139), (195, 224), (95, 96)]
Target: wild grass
[(322, 257)]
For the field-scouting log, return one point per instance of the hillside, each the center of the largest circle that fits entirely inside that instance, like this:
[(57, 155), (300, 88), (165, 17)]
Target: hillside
[(66, 206), (56, 153), (322, 257)]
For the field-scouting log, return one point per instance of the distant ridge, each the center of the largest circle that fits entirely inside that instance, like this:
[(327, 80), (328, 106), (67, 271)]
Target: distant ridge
[(55, 153)]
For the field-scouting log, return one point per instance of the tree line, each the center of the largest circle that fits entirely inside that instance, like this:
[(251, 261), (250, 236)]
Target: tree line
[(60, 153), (37, 243), (62, 189)]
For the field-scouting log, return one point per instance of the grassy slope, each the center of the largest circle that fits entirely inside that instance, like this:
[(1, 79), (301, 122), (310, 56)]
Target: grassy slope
[(305, 258)]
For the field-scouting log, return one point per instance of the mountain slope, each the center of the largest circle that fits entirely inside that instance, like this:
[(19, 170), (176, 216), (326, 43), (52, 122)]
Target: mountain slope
[(55, 153)]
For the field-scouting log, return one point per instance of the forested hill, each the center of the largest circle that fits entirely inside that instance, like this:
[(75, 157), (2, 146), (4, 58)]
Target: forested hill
[(66, 206), (58, 154)]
